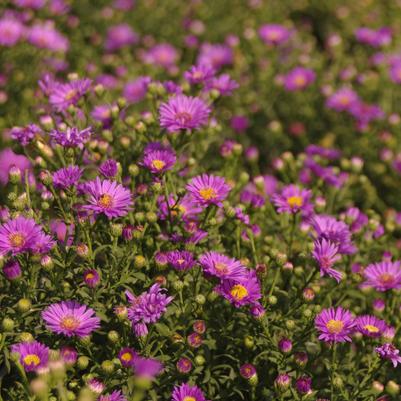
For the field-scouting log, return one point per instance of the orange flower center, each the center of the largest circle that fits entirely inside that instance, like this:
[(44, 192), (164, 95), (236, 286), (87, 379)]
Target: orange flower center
[(207, 193), (17, 239), (90, 276), (158, 164), (32, 359), (189, 398), (105, 201), (70, 94), (335, 326), (386, 278), (371, 329), (300, 80), (126, 356), (344, 100), (294, 201), (238, 292), (69, 323), (221, 267)]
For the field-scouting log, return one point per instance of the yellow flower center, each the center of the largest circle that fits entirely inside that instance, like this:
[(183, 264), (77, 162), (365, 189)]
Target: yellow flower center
[(90, 276), (32, 359), (294, 201), (371, 329), (335, 326), (207, 193), (70, 94), (386, 278), (105, 201), (344, 100), (189, 398), (300, 80), (273, 35), (126, 356), (17, 239), (221, 267), (69, 323), (238, 292), (158, 164)]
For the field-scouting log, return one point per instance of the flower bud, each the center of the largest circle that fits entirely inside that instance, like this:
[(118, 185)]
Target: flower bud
[(285, 345), (200, 299), (83, 362), (7, 324), (377, 387), (113, 336), (14, 174), (25, 337), (107, 366), (282, 382), (199, 360), (392, 388), (139, 261), (24, 305), (116, 230)]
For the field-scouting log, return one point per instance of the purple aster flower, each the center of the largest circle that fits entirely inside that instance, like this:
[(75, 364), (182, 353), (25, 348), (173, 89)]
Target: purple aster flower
[(34, 4), (337, 232), (149, 306), (199, 74), (365, 113), (247, 371), (103, 114), (293, 200), (326, 153), (19, 235), (215, 55), (33, 355), (342, 100), (285, 345), (12, 270), (388, 351), (374, 38), (135, 91), (64, 95), (299, 78), (370, 325), (108, 197), (69, 355), (71, 319), (274, 34), (185, 208), (116, 395), (395, 72), (109, 168), (181, 260), (326, 255), (335, 325), (124, 5), (304, 384), (356, 219), (223, 83), (96, 385), (183, 112), (208, 190), (239, 123), (221, 266), (71, 137), (184, 365), (159, 161), (147, 368), (91, 278), (127, 356), (43, 243), (24, 135), (67, 177), (282, 381), (11, 31), (186, 392), (119, 36), (243, 292), (8, 160), (45, 36), (161, 55), (383, 276)]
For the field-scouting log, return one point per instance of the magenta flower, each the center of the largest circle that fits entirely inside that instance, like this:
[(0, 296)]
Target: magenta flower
[(186, 392), (109, 168), (34, 4), (299, 78), (25, 135), (395, 72), (159, 161), (370, 325), (335, 325), (247, 371), (374, 38), (388, 351), (161, 55), (64, 95), (326, 255), (116, 395), (119, 36), (96, 385), (183, 112), (274, 34), (135, 91), (69, 355), (199, 74), (45, 36), (208, 190), (221, 266), (383, 276), (304, 384), (181, 260), (127, 356), (67, 177), (293, 200), (147, 368), (71, 319), (71, 137), (243, 292), (342, 100), (184, 365), (11, 31), (215, 55), (12, 270), (91, 278), (223, 84), (33, 355), (8, 160), (19, 235), (185, 208), (107, 197)]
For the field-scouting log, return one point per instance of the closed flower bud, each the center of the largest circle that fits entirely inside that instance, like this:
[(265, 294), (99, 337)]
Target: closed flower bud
[(14, 175), (377, 387), (290, 324), (392, 388), (82, 250), (282, 382), (249, 342), (24, 305), (199, 360), (133, 170), (113, 336), (308, 294), (307, 313), (25, 337), (200, 299), (47, 262), (151, 217), (272, 300), (116, 230), (7, 324), (85, 340), (139, 261), (107, 366), (301, 358), (178, 285), (285, 345), (83, 362)]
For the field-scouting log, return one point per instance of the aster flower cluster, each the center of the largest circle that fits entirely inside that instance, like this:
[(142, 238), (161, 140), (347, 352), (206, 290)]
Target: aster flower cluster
[(210, 213)]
